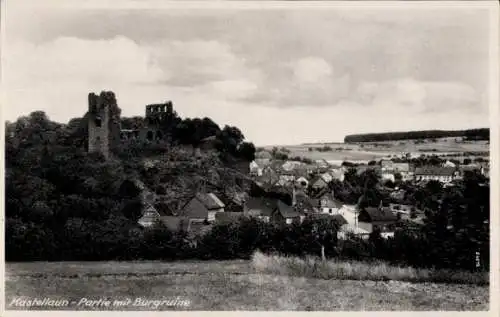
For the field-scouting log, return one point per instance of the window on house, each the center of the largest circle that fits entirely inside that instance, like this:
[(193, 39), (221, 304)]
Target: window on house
[(150, 135), (98, 122)]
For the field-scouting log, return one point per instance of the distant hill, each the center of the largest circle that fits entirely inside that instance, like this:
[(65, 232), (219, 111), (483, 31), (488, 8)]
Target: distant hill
[(470, 134)]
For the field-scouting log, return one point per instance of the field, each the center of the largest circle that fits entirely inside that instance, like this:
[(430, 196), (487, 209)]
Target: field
[(227, 285), (379, 150)]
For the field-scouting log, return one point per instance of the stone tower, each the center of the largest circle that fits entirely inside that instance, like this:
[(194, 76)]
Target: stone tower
[(103, 123)]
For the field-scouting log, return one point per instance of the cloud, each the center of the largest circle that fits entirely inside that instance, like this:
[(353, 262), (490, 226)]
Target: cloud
[(305, 82), (67, 59), (199, 62), (311, 71), (411, 95)]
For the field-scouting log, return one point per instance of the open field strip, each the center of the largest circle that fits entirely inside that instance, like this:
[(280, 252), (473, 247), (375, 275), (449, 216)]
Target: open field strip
[(225, 285)]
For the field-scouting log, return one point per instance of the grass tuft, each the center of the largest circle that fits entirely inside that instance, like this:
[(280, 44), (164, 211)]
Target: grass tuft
[(342, 270)]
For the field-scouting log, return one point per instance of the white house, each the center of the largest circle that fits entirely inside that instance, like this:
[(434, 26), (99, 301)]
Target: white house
[(441, 174)]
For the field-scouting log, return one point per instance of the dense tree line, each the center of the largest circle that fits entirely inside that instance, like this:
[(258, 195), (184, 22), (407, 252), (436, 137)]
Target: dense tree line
[(471, 134), (56, 192), (65, 204)]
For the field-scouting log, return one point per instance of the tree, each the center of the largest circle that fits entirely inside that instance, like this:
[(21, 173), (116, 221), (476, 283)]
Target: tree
[(321, 232), (247, 151)]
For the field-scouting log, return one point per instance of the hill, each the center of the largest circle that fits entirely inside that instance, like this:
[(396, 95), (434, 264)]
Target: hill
[(470, 134), (57, 193)]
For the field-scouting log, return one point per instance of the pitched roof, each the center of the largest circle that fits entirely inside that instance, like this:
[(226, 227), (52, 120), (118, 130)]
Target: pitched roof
[(210, 201), (175, 223), (227, 217), (318, 180), (262, 162), (337, 218), (262, 206), (397, 167), (286, 211), (164, 209), (470, 167), (331, 202), (380, 214), (435, 171), (304, 203)]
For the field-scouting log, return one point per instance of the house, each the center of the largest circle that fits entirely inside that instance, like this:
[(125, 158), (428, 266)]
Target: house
[(341, 221), (338, 174), (153, 211), (257, 166), (351, 229), (233, 202), (275, 166), (267, 179), (304, 205), (175, 224), (150, 216), (327, 176), (228, 217), (322, 163), (318, 183), (255, 169), (372, 218), (360, 169), (287, 177), (329, 205), (290, 165), (203, 207), (441, 174), (390, 170), (285, 214), (259, 207)]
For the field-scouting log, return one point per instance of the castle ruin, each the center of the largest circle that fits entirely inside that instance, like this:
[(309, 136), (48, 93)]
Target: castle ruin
[(104, 128)]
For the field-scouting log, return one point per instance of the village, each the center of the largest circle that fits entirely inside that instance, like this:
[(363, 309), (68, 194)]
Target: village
[(291, 191)]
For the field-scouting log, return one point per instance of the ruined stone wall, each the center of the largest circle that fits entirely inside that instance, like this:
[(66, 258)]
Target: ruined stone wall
[(104, 123)]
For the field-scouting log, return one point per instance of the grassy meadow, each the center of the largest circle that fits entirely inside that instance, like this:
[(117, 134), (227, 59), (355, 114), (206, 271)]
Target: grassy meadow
[(264, 283)]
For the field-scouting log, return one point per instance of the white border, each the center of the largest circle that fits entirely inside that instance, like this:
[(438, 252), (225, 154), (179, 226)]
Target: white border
[(302, 5)]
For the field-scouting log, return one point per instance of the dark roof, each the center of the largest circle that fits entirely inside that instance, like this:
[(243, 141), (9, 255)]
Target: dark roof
[(175, 223), (210, 201), (435, 171), (363, 168), (164, 209), (286, 211), (331, 201), (304, 203), (264, 206), (318, 179), (380, 214), (227, 217), (338, 218)]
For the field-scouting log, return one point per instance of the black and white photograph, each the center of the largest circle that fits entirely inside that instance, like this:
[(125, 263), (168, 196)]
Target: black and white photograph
[(249, 156)]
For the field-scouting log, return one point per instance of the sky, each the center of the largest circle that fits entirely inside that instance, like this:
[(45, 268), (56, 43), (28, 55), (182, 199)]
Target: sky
[(283, 75)]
